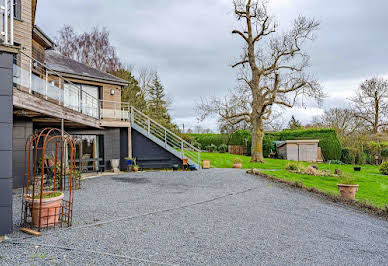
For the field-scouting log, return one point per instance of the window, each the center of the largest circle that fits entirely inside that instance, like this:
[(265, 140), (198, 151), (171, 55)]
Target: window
[(17, 9)]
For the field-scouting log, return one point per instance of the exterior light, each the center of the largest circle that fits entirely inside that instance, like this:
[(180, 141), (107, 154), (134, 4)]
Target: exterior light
[(112, 92)]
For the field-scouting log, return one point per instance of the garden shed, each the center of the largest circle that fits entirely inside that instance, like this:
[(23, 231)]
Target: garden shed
[(299, 150)]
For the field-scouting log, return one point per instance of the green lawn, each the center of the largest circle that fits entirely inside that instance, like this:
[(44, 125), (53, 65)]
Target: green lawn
[(373, 187)]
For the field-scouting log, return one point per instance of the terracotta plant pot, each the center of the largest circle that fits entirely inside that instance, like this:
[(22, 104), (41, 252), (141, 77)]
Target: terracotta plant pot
[(135, 168), (237, 165), (50, 210), (206, 164), (348, 191)]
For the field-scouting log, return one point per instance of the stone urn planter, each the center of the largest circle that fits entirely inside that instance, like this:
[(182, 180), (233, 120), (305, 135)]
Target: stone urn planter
[(115, 165), (237, 163), (50, 210)]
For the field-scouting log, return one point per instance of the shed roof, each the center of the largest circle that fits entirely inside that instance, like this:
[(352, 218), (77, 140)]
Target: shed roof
[(66, 65), (298, 141)]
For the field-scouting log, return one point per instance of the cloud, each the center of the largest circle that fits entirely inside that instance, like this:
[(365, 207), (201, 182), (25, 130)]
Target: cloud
[(191, 45)]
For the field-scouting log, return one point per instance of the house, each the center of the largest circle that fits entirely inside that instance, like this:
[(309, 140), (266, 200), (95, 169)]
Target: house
[(299, 150), (40, 89)]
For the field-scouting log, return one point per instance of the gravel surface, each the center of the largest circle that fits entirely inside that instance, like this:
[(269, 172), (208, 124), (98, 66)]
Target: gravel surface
[(220, 216)]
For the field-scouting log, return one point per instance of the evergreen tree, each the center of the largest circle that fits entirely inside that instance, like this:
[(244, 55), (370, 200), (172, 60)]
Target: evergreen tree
[(132, 93), (158, 104), (294, 124)]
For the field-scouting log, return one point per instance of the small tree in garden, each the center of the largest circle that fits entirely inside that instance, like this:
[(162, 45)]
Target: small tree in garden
[(273, 70), (294, 124)]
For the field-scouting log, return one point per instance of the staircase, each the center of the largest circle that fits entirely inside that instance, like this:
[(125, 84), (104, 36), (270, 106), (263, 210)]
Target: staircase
[(152, 130)]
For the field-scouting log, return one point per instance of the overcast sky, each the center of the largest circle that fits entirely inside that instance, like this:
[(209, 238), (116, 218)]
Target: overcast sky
[(190, 43)]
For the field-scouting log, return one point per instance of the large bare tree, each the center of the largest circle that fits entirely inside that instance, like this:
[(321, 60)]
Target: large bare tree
[(273, 70), (370, 103)]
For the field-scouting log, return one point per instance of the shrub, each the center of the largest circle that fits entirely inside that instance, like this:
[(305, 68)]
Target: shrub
[(209, 139), (349, 155), (384, 153), (237, 160), (211, 148), (294, 166), (222, 148), (384, 168), (197, 145)]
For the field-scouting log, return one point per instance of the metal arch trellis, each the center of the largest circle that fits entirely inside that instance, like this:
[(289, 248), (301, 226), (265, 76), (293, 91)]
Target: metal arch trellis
[(49, 175)]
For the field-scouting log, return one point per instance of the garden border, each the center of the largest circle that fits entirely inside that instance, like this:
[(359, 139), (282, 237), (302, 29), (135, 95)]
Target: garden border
[(381, 213)]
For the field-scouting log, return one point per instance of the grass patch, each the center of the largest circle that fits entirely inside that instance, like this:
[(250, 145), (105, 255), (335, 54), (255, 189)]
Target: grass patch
[(373, 187)]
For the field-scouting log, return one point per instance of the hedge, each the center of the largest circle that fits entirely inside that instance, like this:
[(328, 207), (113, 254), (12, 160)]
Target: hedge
[(208, 139), (328, 140)]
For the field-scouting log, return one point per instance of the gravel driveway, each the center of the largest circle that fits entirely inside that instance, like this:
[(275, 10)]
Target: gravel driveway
[(220, 216)]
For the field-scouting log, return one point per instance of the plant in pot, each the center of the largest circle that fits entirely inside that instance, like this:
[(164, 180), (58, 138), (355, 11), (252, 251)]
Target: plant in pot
[(347, 186), (49, 210), (135, 168), (129, 160), (237, 163)]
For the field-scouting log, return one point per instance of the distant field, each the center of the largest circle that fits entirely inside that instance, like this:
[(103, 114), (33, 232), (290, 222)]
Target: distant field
[(373, 186)]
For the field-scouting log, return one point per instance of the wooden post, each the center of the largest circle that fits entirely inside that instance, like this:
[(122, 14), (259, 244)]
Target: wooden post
[(149, 126)]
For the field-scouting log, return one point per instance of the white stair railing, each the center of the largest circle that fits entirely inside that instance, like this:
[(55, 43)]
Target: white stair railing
[(123, 111)]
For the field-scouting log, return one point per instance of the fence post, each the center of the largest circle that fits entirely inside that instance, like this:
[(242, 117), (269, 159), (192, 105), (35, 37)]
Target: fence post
[(149, 126), (199, 159)]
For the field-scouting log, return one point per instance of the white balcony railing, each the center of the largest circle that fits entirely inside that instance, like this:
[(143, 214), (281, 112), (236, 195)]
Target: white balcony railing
[(6, 21), (35, 78)]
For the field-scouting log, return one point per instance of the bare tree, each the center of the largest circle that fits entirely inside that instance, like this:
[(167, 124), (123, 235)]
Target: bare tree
[(91, 48), (145, 77), (370, 103), (343, 121), (275, 74)]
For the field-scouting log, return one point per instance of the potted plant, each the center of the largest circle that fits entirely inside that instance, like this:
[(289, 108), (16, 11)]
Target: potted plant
[(135, 168), (237, 163), (50, 209), (347, 187), (129, 160)]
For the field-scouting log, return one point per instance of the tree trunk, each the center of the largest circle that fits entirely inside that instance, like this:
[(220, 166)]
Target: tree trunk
[(257, 140)]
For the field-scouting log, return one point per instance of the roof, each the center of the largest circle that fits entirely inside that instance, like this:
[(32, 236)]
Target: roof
[(73, 68), (40, 36), (297, 141)]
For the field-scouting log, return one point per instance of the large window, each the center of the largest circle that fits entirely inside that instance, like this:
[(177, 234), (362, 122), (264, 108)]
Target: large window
[(89, 151)]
